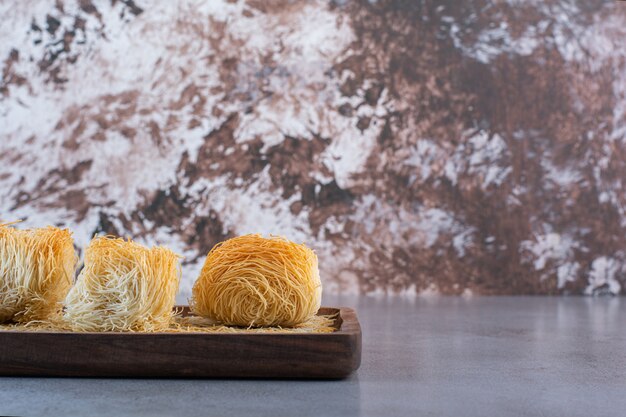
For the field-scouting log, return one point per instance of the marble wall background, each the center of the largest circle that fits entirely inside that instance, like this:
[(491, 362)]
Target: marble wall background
[(420, 147)]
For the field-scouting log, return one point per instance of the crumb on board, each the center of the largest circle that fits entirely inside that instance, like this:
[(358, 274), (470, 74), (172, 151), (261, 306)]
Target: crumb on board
[(191, 324)]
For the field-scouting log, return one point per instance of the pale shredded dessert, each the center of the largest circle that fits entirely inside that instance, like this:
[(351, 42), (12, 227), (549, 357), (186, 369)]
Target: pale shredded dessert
[(123, 286), (36, 272)]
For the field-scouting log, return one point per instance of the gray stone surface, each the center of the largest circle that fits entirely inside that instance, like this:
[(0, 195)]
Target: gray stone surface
[(439, 356)]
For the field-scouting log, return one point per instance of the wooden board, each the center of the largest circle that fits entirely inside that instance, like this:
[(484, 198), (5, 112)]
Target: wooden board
[(186, 355)]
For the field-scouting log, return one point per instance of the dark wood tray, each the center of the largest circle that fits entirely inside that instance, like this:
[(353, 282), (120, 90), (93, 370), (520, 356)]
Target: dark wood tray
[(186, 355)]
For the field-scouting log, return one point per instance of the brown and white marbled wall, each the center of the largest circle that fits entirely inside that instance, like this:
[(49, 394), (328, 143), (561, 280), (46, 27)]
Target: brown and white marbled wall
[(419, 147)]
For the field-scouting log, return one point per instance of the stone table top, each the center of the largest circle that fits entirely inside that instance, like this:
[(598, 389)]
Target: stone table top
[(436, 356)]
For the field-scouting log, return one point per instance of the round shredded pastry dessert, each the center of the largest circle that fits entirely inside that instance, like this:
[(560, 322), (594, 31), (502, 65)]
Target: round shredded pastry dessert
[(123, 286), (254, 281), (37, 269)]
